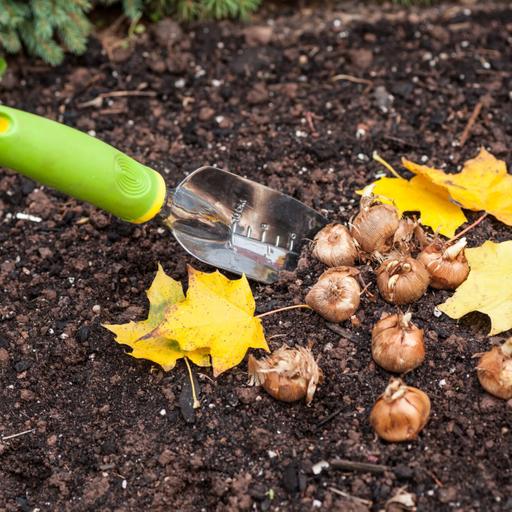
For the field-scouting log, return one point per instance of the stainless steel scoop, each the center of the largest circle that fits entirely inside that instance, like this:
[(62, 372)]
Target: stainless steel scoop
[(239, 225), (218, 217)]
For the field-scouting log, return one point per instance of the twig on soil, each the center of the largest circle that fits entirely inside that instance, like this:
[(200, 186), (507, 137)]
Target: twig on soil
[(434, 477), (277, 336), (328, 418), (204, 376), (350, 465), (342, 332), (401, 141), (111, 111), (12, 436), (98, 100), (351, 78), (471, 226), (471, 121), (350, 497)]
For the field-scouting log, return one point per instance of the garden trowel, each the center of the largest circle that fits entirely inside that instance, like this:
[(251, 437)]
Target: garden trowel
[(218, 217)]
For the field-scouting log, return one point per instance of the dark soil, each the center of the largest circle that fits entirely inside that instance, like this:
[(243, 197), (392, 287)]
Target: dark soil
[(105, 430)]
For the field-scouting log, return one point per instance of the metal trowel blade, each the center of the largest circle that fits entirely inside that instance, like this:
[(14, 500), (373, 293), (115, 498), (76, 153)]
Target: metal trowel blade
[(239, 225)]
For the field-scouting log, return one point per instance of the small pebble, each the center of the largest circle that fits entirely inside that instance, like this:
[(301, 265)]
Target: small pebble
[(319, 467)]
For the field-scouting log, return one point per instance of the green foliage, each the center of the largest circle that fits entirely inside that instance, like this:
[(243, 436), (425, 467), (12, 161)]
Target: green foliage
[(48, 28)]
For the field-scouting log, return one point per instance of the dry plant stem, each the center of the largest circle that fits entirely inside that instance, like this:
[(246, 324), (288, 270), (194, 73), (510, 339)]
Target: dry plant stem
[(471, 226), (365, 287), (434, 477), (329, 418), (350, 465), (471, 121), (115, 94), (197, 404), (12, 436), (362, 501), (351, 78), (383, 162), (278, 310), (342, 332)]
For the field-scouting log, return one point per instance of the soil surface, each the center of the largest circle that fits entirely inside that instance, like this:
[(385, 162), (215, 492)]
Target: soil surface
[(102, 431)]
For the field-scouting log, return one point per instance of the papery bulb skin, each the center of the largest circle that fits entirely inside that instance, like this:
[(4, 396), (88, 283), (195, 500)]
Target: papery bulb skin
[(403, 238), (447, 265), (400, 413), (374, 226), (494, 370), (402, 280), (397, 344), (334, 246), (336, 295), (288, 374)]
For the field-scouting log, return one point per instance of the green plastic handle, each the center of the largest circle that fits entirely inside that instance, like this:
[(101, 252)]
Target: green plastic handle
[(79, 165)]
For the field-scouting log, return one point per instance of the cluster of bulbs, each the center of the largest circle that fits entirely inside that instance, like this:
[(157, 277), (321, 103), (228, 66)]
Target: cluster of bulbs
[(378, 234)]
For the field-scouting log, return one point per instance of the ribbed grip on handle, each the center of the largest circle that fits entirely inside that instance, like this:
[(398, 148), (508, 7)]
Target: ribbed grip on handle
[(79, 165)]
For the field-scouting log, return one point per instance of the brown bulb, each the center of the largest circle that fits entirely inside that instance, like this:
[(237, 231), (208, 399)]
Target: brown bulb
[(334, 246), (288, 374), (335, 296), (374, 226), (494, 370), (402, 280), (400, 413), (397, 344), (447, 266)]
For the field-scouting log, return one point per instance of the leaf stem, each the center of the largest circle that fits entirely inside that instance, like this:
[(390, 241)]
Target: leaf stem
[(471, 226), (192, 385), (283, 309), (383, 162)]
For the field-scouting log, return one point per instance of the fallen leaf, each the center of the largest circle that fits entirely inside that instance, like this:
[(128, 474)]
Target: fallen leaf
[(218, 315), (420, 195), (164, 292), (483, 184), (488, 288)]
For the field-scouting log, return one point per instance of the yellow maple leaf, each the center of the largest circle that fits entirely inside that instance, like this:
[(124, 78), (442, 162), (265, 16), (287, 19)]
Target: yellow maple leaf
[(218, 314), (420, 195), (483, 184), (488, 288), (164, 292)]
